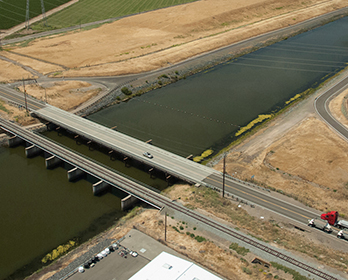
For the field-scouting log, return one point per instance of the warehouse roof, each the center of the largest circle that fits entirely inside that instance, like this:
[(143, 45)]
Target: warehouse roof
[(169, 267)]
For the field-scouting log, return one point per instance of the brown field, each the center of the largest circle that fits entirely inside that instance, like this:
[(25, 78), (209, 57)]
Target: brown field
[(296, 153)]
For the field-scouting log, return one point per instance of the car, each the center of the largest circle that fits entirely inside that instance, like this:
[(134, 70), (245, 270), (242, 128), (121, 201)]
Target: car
[(134, 254), (147, 154)]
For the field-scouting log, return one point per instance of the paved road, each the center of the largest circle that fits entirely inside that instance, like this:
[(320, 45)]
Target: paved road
[(262, 198), (322, 106), (128, 146), (156, 199), (163, 160), (12, 96)]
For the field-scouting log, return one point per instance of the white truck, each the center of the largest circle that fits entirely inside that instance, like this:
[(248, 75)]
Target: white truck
[(320, 224), (342, 234)]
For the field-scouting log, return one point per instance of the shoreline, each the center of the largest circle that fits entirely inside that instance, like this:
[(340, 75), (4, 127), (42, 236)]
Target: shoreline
[(194, 73)]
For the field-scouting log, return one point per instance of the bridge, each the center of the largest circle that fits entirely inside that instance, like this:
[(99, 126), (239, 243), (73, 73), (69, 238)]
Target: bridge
[(163, 160), (109, 176)]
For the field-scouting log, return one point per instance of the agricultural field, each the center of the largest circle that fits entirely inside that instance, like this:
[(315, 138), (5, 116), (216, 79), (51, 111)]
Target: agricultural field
[(13, 12), (86, 11)]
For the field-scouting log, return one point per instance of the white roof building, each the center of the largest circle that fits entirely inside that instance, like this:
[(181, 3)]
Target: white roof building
[(169, 267)]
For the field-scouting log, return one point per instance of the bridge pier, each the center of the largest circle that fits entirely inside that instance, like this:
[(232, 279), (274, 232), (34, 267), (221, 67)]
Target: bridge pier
[(92, 145), (32, 151), (15, 141), (74, 174), (77, 139), (126, 161), (151, 171), (50, 126), (112, 155), (128, 202), (58, 129), (100, 186), (52, 162)]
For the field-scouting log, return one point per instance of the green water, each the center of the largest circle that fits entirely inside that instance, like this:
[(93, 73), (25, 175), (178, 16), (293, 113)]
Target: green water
[(205, 111), (40, 209)]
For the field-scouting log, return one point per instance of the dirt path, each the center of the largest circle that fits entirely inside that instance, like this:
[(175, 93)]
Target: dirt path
[(297, 154), (164, 37), (35, 19)]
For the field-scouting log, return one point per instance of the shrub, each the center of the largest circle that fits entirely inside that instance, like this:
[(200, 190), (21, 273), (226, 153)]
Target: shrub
[(200, 238), (126, 91), (246, 270), (176, 229), (240, 250)]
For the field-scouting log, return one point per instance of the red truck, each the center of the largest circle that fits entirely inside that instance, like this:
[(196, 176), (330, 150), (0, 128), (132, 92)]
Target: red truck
[(332, 218)]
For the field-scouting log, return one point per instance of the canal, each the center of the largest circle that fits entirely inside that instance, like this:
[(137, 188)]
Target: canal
[(41, 210), (206, 110)]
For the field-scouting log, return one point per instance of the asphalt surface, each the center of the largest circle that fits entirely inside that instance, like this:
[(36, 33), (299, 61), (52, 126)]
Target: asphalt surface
[(126, 145), (10, 95), (168, 162), (322, 106), (263, 199)]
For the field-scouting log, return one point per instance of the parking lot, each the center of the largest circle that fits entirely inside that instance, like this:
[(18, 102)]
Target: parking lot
[(114, 266)]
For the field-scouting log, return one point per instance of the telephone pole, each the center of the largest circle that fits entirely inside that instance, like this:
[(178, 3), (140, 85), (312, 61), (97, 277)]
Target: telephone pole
[(223, 176), (25, 96), (165, 226)]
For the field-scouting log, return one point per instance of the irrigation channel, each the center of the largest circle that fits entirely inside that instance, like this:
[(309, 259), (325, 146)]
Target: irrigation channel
[(41, 209)]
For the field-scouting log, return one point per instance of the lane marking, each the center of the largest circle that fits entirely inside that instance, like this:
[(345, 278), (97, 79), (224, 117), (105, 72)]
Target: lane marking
[(19, 99), (262, 199)]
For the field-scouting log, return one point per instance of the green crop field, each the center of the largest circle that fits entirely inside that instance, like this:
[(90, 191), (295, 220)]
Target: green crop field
[(86, 11), (13, 12)]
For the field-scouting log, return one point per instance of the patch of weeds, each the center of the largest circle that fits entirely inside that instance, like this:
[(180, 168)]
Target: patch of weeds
[(176, 229), (239, 249), (247, 270), (294, 273), (126, 91), (163, 76), (3, 108), (200, 238)]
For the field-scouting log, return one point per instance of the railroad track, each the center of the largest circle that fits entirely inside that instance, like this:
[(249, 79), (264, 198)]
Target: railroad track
[(145, 194)]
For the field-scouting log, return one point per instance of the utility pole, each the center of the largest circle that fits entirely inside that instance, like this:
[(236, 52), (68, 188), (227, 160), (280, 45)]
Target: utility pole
[(223, 176), (165, 226), (25, 96), (27, 16)]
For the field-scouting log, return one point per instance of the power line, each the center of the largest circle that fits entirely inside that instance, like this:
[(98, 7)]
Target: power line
[(27, 16), (43, 13)]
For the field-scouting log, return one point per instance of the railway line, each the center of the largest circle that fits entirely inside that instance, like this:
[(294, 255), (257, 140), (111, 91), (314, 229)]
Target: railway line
[(146, 194)]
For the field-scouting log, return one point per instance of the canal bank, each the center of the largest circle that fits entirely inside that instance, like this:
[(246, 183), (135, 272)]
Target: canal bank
[(146, 82), (162, 77), (204, 113)]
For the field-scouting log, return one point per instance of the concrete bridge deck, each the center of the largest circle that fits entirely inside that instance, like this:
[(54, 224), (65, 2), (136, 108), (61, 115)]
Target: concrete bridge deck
[(163, 160)]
